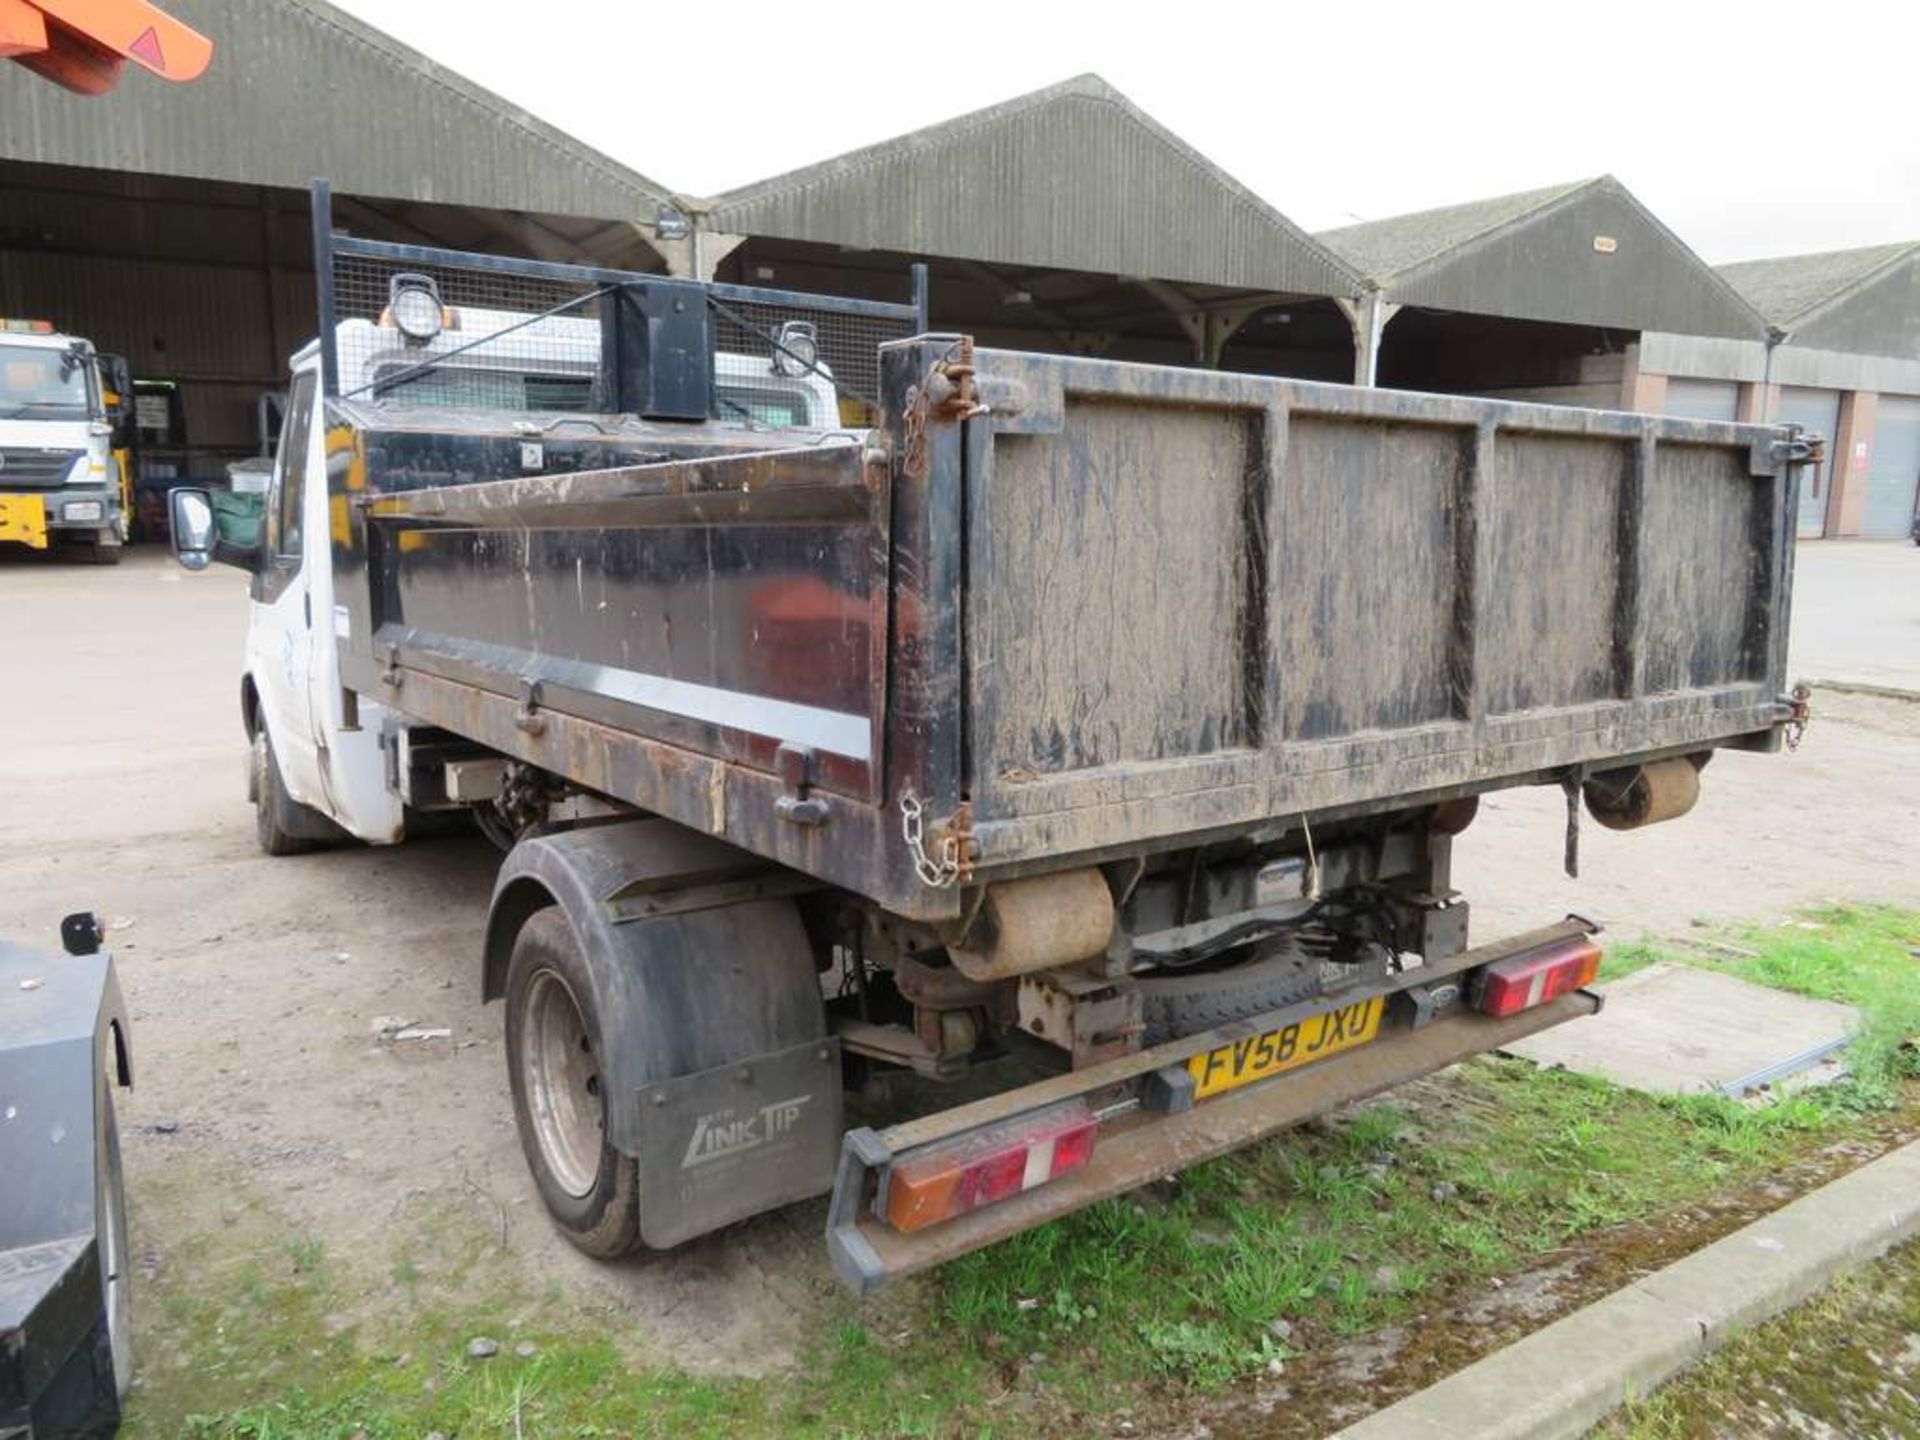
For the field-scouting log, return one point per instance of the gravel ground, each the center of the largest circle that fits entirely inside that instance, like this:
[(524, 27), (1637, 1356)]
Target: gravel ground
[(256, 984)]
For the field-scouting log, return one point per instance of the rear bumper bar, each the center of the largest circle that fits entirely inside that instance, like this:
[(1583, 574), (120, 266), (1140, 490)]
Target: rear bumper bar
[(1155, 1129)]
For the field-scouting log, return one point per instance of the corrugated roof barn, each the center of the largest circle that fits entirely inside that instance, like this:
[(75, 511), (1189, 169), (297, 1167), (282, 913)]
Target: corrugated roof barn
[(1075, 176), (1539, 295), (298, 90), (1065, 219), (1865, 300), (1586, 253)]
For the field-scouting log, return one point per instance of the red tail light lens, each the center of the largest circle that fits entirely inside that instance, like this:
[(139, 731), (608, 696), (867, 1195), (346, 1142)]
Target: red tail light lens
[(1520, 982), (956, 1176)]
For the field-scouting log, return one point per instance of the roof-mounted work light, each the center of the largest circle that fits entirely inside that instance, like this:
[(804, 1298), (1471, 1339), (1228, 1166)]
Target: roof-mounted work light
[(413, 303)]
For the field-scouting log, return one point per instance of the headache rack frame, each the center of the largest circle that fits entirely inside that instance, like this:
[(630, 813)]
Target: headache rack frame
[(660, 338)]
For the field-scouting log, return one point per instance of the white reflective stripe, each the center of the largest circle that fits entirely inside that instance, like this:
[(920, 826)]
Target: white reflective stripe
[(1536, 989), (836, 731), (1039, 1164), (830, 730)]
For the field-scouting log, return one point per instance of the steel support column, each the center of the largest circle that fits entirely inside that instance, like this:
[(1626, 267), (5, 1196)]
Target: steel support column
[(1368, 314)]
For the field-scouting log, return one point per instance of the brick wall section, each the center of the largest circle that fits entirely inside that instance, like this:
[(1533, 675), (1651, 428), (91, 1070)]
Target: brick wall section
[(1758, 404), (1640, 391), (1848, 498)]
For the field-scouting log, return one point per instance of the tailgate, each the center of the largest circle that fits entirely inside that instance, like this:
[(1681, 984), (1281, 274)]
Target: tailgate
[(1199, 600)]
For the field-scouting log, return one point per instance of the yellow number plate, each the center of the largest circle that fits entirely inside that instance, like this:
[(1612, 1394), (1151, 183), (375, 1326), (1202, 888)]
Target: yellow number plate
[(1287, 1048), (23, 518)]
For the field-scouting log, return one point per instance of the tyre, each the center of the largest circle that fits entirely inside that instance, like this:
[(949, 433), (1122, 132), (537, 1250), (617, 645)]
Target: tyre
[(1180, 1003), (559, 1104), (1175, 1003), (277, 815), (103, 548)]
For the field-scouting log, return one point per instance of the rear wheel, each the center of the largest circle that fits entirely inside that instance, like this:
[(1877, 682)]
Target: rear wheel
[(276, 814), (559, 1103)]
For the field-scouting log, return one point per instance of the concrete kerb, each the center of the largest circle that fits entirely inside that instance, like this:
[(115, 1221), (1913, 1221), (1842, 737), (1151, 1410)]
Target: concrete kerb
[(1861, 687), (1561, 1381)]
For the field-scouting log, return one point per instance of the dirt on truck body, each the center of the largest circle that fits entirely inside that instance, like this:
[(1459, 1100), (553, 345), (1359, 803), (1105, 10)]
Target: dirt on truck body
[(1113, 717)]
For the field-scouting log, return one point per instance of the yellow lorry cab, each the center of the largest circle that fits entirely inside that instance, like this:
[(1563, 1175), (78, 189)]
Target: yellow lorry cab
[(60, 482)]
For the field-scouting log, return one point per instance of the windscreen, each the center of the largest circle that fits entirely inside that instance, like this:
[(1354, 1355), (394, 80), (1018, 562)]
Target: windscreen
[(468, 387), (37, 383)]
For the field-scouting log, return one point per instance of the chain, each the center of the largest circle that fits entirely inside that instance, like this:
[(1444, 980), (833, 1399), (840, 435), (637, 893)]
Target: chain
[(1802, 713), (940, 874), (951, 376), (914, 437), (955, 368)]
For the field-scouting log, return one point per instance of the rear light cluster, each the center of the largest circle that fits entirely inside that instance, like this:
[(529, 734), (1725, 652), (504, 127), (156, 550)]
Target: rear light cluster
[(1520, 982), (956, 1176)]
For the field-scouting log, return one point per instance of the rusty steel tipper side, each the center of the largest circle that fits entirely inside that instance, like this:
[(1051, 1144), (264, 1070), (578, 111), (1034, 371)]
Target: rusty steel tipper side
[(1053, 611)]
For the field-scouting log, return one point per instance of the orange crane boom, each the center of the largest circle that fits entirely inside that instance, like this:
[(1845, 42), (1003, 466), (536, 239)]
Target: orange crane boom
[(83, 44)]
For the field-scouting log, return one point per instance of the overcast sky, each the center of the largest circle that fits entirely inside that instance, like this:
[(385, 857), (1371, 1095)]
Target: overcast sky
[(1751, 129)]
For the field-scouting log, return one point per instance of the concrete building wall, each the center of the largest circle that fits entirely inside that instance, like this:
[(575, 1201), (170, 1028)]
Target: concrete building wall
[(1854, 381)]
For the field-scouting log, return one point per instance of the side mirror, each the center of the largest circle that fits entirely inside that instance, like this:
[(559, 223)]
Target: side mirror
[(190, 520)]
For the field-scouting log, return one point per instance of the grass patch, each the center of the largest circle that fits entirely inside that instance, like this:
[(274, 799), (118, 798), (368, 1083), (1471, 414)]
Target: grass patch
[(1343, 1230), (1186, 1286), (270, 1328), (249, 1331), (1863, 1330)]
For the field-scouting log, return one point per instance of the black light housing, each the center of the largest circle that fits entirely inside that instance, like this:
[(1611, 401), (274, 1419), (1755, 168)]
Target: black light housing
[(413, 300)]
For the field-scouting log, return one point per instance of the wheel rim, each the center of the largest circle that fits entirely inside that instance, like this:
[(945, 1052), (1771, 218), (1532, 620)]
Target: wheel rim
[(562, 1081)]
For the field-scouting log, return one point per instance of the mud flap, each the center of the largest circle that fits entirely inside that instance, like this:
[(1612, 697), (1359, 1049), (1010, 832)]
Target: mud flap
[(743, 1138)]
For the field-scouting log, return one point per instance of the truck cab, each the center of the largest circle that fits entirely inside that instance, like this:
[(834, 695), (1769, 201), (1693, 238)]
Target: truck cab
[(59, 480)]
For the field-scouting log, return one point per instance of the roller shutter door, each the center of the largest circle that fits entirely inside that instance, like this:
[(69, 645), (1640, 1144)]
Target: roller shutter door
[(1895, 469), (1817, 411), (1703, 399)]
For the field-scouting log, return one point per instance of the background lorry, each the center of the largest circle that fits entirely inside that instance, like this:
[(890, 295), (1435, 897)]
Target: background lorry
[(1098, 731), (62, 478)]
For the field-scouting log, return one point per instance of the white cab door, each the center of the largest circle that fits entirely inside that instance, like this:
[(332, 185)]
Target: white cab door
[(353, 769), (280, 635)]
